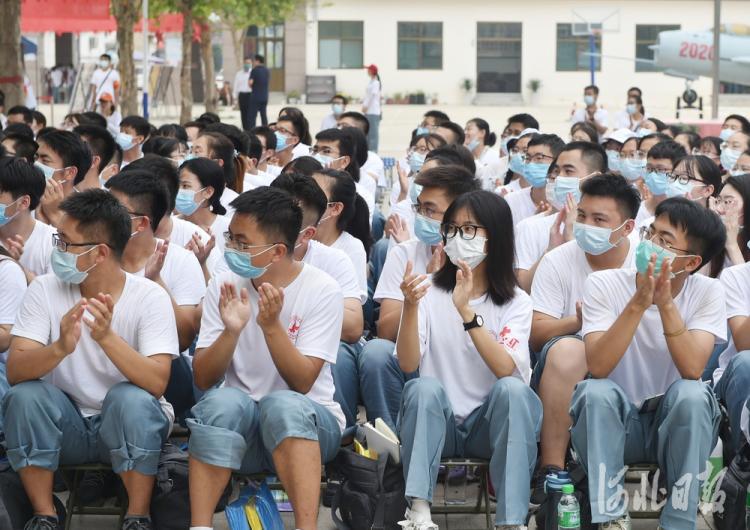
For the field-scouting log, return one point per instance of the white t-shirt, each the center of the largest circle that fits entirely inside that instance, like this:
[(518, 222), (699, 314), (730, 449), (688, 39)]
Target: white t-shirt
[(355, 250), (183, 230), (142, 317), (624, 121), (228, 196), (389, 284), (338, 266), (510, 187), (532, 239), (182, 275), (644, 217), (38, 249), (368, 197), (736, 282), (521, 205), (104, 80), (329, 122), (113, 122), (404, 210), (560, 277), (647, 369), (601, 116), (372, 97), (255, 181), (375, 169), (490, 167), (12, 289), (444, 345), (313, 312), (298, 151)]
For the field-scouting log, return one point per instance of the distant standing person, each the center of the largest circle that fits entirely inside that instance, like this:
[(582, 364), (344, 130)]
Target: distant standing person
[(371, 106), (592, 113), (242, 92), (258, 82), (104, 79)]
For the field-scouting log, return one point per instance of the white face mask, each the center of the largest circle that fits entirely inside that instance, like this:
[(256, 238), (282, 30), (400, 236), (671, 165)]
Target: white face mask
[(472, 252)]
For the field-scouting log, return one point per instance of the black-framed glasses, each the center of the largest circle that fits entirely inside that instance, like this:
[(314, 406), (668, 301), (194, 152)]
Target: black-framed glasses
[(538, 158), (467, 231), (232, 243), (646, 232), (683, 178), (426, 211), (60, 244)]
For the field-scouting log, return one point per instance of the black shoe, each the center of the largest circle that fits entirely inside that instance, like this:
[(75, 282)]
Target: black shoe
[(137, 523), (43, 522), (538, 495), (331, 490), (96, 487)]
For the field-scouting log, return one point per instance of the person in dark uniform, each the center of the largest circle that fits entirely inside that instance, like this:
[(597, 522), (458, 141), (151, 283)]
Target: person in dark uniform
[(259, 77)]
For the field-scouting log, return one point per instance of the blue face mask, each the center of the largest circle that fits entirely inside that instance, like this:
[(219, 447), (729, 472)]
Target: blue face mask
[(4, 219), (422, 130), (641, 132), (427, 230), (505, 142), (125, 141), (631, 108), (472, 144), (726, 134), (48, 171), (613, 161), (594, 240), (414, 191), (565, 185), (416, 161), (643, 253), (657, 182), (516, 163), (729, 158), (632, 169), (64, 265), (676, 189), (281, 141), (185, 202), (241, 263), (535, 174)]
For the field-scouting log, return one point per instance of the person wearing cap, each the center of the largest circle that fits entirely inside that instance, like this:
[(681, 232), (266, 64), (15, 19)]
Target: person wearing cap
[(613, 145), (371, 106), (108, 109)]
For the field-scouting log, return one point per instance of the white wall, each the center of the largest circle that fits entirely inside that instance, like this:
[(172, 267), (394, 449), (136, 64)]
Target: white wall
[(539, 19)]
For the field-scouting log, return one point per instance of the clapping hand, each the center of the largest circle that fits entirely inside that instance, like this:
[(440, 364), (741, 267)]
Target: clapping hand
[(413, 286), (234, 310)]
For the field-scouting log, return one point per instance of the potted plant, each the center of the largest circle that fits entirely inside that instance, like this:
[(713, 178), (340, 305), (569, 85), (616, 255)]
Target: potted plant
[(534, 85), (293, 97), (419, 98), (467, 86)]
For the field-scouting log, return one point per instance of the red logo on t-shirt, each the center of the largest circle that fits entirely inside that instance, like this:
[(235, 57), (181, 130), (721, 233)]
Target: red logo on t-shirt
[(293, 329), (507, 340)]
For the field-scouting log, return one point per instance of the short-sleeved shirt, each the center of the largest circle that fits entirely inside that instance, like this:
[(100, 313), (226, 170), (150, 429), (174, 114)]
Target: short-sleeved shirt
[(12, 289), (260, 77), (521, 204), (646, 368), (105, 80), (37, 250), (312, 314), (389, 284), (183, 276), (445, 346), (338, 266), (736, 282), (143, 317), (353, 247)]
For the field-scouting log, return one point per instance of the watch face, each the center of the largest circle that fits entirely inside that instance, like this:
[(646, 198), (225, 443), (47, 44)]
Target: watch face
[(480, 320)]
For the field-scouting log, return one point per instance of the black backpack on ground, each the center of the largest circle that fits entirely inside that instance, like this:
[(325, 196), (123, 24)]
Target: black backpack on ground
[(734, 487), (371, 493), (546, 516), (170, 501)]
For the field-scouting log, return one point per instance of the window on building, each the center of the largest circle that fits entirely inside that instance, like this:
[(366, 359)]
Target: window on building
[(498, 57), (267, 41), (573, 50), (420, 45), (734, 88), (340, 44), (646, 35)]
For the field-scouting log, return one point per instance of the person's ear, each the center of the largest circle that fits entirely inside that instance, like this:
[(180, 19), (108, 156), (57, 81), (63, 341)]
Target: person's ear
[(102, 253), (70, 173), (308, 234), (629, 227), (95, 161), (343, 162), (337, 208), (219, 161), (279, 251), (708, 191), (693, 264), (208, 193)]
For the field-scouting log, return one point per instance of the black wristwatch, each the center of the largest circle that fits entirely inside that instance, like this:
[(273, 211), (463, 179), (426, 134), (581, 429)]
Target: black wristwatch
[(476, 322)]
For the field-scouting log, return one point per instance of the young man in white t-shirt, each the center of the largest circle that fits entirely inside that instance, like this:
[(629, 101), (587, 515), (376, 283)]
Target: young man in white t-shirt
[(381, 381), (270, 330), (543, 232), (605, 218), (134, 131), (89, 361), (27, 240), (648, 335), (105, 79)]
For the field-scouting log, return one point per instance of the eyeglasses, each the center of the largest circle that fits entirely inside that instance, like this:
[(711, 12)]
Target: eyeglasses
[(709, 154), (426, 211), (726, 202), (635, 155), (647, 233), (652, 169), (467, 232), (232, 243), (62, 245), (538, 158), (683, 178)]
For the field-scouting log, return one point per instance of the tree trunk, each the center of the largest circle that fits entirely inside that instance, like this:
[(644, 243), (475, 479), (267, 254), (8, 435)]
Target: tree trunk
[(238, 40), (11, 69), (207, 56), (126, 13), (186, 89)]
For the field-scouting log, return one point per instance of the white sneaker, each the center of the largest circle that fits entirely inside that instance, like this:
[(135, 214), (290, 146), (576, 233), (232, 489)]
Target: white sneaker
[(623, 523), (409, 524)]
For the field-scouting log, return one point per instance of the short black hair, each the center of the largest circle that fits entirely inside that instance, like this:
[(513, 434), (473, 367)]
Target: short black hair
[(453, 180), (694, 139), (745, 123), (705, 231), (669, 149), (105, 56), (528, 121), (209, 117), (254, 147), (593, 155), (301, 126), (359, 118), (306, 165), (345, 147), (140, 125), (592, 87), (100, 142), (71, 149), (259, 58), (173, 130), (20, 129), (39, 117), (453, 155), (439, 116), (660, 125), (307, 192), (148, 194), (267, 133), (200, 125), (554, 142), (237, 136), (636, 89), (162, 168), (615, 187), (23, 146), (341, 97), (18, 177), (455, 129), (28, 117), (160, 145), (100, 218), (93, 118), (209, 173), (661, 137), (492, 212), (275, 211)]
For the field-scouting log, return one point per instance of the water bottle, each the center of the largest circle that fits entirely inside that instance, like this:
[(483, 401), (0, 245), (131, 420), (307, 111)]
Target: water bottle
[(747, 508), (568, 511), (716, 461)]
